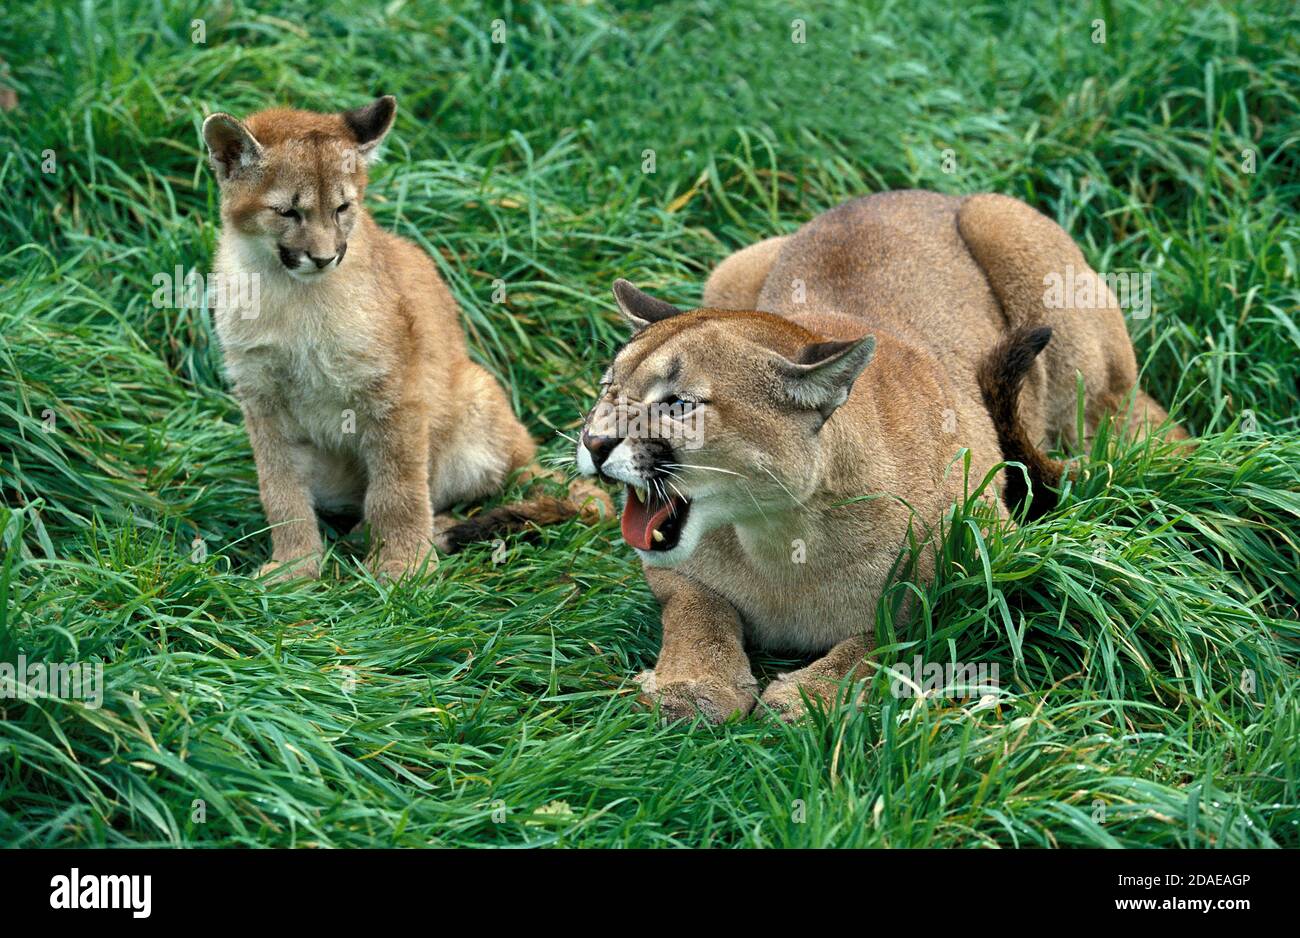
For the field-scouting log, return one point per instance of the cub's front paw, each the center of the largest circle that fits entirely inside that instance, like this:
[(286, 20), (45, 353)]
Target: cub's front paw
[(782, 696), (713, 698), (446, 534), (393, 565), (594, 503), (281, 571)]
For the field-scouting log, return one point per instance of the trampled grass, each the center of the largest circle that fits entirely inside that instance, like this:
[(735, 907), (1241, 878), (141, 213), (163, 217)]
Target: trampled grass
[(1146, 631)]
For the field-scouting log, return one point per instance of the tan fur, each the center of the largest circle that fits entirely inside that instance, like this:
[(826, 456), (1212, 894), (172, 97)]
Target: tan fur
[(738, 280), (935, 279), (1017, 247), (355, 382)]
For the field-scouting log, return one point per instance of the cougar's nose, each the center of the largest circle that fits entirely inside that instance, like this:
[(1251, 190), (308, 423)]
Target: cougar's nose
[(599, 446)]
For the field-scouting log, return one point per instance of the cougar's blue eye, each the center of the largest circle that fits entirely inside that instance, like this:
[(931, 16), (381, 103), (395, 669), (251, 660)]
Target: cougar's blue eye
[(680, 405)]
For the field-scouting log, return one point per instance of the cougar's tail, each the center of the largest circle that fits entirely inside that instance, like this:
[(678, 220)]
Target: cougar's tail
[(1001, 374), (585, 501)]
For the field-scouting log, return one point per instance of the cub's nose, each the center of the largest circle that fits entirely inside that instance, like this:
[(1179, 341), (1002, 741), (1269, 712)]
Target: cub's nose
[(321, 262), (599, 446)]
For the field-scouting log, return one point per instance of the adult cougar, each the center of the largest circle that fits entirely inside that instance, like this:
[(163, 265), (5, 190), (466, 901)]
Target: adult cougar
[(852, 358), (349, 361)]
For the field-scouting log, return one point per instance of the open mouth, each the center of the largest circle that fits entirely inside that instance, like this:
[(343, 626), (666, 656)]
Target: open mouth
[(652, 521)]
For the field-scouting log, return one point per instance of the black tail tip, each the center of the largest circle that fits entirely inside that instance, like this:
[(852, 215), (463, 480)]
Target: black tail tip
[(1037, 339), (1011, 359)]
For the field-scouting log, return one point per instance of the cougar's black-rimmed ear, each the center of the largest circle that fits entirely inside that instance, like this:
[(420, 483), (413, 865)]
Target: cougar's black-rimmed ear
[(370, 124), (823, 374), (640, 308), (232, 148)]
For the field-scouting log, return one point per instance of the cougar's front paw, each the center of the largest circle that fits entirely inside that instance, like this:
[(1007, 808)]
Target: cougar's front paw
[(783, 697), (281, 571), (713, 698)]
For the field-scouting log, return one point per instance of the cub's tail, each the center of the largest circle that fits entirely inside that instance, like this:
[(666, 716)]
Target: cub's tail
[(585, 501), (1001, 375)]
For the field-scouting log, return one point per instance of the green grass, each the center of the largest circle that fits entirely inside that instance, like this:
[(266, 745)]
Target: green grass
[(1146, 630)]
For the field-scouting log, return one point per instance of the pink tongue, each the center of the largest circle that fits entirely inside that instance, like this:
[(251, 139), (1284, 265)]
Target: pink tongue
[(641, 519)]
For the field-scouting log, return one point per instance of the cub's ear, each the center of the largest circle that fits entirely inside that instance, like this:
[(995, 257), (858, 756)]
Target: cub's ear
[(370, 125), (640, 308), (232, 149), (824, 373)]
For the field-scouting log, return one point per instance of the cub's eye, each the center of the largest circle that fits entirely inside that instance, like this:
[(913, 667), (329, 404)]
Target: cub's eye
[(342, 208), (288, 213)]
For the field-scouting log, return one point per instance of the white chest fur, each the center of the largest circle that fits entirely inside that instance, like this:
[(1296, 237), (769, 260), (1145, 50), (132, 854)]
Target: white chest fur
[(306, 352)]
